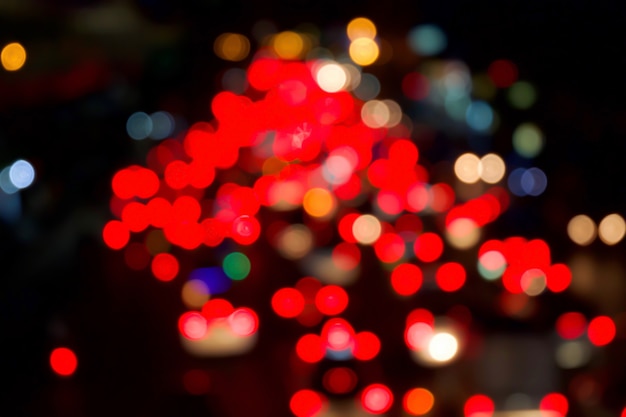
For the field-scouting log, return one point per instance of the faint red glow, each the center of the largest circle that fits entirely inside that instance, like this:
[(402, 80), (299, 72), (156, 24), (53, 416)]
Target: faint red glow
[(571, 325), (339, 380), (502, 72)]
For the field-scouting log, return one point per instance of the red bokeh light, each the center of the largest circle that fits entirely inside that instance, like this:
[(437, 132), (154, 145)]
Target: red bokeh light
[(571, 325), (366, 346), (406, 279), (288, 302), (115, 234), (306, 403), (376, 398), (479, 405), (601, 330), (339, 380), (63, 361), (428, 247), (331, 300), (310, 348), (554, 402), (164, 266), (450, 276)]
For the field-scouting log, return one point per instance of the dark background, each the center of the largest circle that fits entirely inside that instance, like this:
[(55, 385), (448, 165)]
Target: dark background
[(66, 110)]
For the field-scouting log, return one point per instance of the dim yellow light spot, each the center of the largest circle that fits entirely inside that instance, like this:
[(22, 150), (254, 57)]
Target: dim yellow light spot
[(318, 202), (467, 168), (295, 241), (582, 230), (195, 293), (366, 229), (13, 56), (611, 229), (232, 46), (288, 45), (492, 168), (361, 27), (364, 51)]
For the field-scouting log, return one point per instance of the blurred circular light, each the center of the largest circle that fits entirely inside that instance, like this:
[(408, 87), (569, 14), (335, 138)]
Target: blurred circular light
[(534, 181), (139, 125), (528, 140), (492, 168), (361, 27), (364, 51), (366, 229), (522, 95), (418, 401), (376, 398), (611, 229), (479, 116), (427, 40), (231, 46), (63, 361), (467, 168), (13, 56), (331, 77), (443, 347), (582, 230), (21, 174), (162, 125)]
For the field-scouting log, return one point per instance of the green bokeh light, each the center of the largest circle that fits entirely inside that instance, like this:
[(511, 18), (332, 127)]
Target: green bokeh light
[(236, 265)]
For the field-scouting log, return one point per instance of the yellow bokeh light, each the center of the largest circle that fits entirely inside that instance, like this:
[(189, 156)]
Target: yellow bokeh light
[(13, 56), (364, 51), (492, 168), (467, 168), (361, 27), (612, 229), (318, 202), (582, 230), (366, 229), (419, 401), (295, 241), (288, 45), (231, 46)]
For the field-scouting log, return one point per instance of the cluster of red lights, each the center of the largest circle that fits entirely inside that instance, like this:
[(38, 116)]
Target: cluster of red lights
[(265, 151)]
